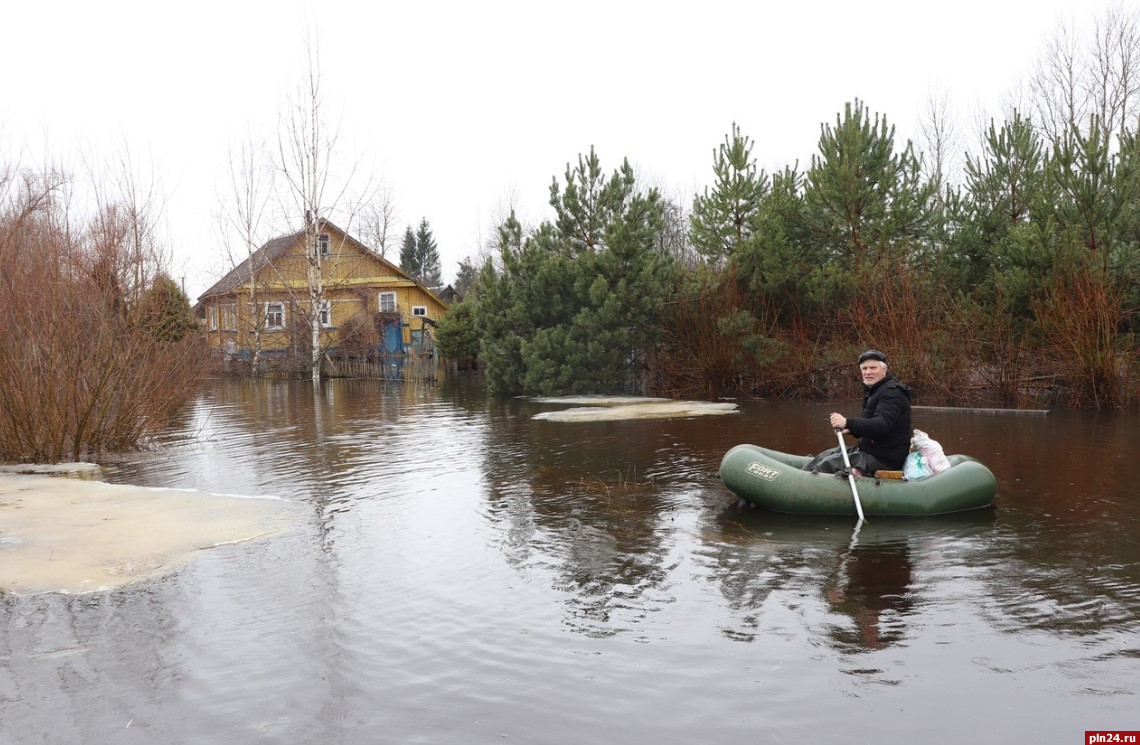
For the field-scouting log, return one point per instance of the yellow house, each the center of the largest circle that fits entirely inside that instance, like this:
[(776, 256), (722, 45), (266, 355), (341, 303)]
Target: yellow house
[(369, 306)]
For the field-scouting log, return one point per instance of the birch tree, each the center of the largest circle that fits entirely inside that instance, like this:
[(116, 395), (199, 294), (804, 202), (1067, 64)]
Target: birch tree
[(306, 144), (938, 129), (243, 214), (1081, 76)]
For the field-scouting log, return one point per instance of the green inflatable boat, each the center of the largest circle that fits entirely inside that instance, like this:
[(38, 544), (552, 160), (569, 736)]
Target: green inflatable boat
[(777, 481)]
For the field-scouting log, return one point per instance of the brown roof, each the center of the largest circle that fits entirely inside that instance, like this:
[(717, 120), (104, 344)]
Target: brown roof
[(273, 250), (258, 260)]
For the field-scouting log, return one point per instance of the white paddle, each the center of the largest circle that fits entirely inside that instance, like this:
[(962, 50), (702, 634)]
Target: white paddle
[(850, 475)]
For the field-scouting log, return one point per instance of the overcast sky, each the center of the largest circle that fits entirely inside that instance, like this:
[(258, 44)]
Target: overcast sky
[(461, 108)]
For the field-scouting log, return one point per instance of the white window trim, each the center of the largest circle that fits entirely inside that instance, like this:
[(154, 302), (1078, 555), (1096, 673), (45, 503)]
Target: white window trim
[(229, 317), (380, 302), (270, 326), (419, 311), (324, 244), (212, 318), (326, 314)]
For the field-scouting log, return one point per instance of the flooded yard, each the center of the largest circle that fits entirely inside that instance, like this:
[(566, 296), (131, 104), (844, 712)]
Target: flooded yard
[(368, 563)]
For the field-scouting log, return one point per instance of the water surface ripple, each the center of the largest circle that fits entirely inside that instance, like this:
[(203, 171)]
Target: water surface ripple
[(467, 573)]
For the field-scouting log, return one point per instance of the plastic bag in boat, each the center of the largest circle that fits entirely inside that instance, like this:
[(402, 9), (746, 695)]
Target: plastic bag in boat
[(915, 466), (931, 451)]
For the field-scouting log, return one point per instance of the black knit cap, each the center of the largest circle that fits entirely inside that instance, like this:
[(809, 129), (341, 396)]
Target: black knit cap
[(872, 354)]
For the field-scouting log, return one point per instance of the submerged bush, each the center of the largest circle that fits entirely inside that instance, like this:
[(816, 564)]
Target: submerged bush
[(97, 345)]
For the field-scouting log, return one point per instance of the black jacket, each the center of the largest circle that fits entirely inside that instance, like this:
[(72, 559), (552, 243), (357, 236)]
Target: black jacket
[(884, 429)]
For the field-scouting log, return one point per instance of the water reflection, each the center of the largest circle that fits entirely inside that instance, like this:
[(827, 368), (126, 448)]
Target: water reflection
[(857, 585), (69, 653), (466, 573), (574, 504), (872, 586)]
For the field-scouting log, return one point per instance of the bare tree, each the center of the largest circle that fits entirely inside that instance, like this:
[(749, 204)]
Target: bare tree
[(377, 222), (1115, 68), (938, 130), (1055, 85), (96, 342), (242, 215), (1094, 80), (306, 143), (128, 203), (673, 240), (489, 243)]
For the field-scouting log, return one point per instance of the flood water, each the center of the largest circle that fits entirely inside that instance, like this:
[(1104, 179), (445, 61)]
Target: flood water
[(465, 573)]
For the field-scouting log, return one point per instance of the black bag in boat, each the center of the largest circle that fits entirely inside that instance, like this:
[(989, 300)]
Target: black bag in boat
[(831, 460)]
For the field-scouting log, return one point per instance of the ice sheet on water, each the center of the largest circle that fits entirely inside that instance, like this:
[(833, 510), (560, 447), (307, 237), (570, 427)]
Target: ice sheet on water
[(71, 535), (609, 408)]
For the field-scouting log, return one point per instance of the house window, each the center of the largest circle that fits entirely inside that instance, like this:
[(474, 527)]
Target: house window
[(229, 318), (387, 302), (323, 244), (274, 315), (326, 313), (212, 318), (419, 311)]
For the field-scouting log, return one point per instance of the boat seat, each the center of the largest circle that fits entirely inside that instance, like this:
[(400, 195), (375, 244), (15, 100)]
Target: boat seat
[(896, 475)]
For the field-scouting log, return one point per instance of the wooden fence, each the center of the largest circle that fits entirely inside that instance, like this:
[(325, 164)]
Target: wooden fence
[(411, 367)]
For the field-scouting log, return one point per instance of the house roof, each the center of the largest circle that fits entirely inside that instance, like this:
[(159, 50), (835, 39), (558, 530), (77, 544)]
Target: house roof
[(448, 295), (258, 260), (274, 248)]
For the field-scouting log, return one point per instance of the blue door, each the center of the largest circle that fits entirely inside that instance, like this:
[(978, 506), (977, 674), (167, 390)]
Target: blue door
[(393, 340)]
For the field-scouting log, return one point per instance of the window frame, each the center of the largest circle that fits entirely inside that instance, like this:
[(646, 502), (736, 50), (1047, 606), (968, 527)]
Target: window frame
[(380, 305), (419, 311), (269, 325), (229, 317)]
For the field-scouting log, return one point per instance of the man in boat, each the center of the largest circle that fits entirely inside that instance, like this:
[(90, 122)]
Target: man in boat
[(884, 429)]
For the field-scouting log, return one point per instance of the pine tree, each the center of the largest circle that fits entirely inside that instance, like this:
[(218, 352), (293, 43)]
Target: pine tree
[(503, 323), (998, 248), (466, 277), (457, 335), (724, 218), (427, 257), (1097, 187), (850, 183), (166, 310), (1008, 177), (575, 306), (408, 253), (869, 211), (776, 264)]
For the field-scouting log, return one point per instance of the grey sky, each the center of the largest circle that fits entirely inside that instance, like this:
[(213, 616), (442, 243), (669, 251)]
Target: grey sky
[(464, 108)]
